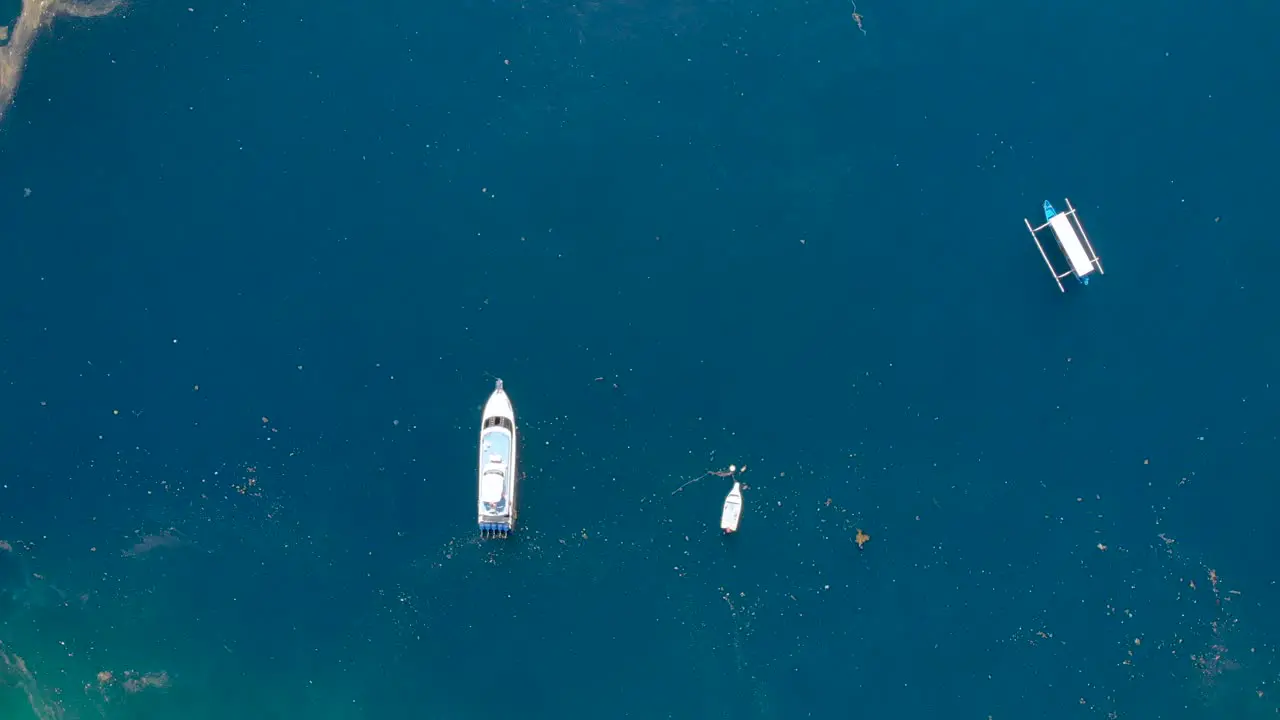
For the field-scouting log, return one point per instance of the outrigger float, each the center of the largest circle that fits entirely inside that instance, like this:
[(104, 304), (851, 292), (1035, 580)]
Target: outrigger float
[(1074, 245), (731, 514), (497, 474)]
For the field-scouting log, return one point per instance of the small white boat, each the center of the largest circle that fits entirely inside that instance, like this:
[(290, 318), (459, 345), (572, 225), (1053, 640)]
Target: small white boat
[(497, 470), (732, 511)]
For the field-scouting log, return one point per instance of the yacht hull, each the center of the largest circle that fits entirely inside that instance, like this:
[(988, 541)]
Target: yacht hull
[(498, 469)]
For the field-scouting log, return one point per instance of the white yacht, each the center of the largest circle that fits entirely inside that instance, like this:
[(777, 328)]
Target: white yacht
[(497, 473), (731, 514)]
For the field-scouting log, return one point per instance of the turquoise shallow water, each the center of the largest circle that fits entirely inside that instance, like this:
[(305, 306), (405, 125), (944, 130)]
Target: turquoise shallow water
[(272, 258)]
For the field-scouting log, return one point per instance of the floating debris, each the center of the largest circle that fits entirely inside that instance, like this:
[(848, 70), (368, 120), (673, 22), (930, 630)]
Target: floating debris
[(731, 472)]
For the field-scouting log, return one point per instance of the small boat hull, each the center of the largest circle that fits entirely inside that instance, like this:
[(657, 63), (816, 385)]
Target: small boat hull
[(731, 513), (497, 475)]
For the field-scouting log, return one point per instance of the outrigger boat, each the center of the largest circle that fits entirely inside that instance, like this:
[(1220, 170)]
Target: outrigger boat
[(497, 472), (1081, 258), (732, 512)]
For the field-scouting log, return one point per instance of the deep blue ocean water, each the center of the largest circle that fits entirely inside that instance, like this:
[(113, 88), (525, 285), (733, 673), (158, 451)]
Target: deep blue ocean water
[(263, 262)]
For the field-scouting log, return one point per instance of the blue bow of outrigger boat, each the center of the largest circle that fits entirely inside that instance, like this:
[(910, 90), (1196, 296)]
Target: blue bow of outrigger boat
[(1049, 212)]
